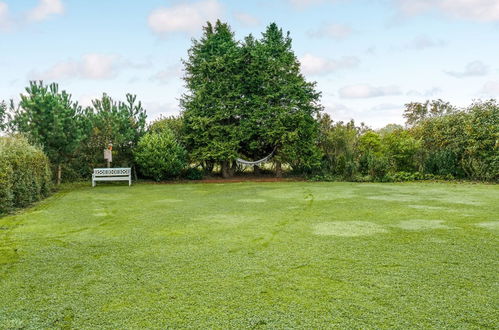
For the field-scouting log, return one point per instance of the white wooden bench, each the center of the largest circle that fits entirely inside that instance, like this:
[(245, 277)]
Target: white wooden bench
[(112, 174)]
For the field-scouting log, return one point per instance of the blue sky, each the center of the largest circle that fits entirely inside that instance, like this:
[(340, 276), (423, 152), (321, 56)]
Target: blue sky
[(369, 57)]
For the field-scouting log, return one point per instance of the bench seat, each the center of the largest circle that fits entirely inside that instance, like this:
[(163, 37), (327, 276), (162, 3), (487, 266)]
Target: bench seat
[(112, 174)]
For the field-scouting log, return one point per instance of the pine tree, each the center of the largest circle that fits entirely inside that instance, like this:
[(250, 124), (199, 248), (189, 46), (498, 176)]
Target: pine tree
[(52, 120)]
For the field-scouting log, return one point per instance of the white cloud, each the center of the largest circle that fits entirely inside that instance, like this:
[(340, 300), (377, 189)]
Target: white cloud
[(472, 69), (90, 66), (491, 88), (246, 19), (362, 91), (165, 76), (339, 111), (184, 17), (157, 110), (315, 65), (45, 9), (333, 31), (427, 93), (98, 66), (5, 20), (476, 10), (388, 107), (423, 42)]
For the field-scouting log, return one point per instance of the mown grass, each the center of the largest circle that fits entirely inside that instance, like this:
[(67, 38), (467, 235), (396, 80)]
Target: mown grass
[(246, 255)]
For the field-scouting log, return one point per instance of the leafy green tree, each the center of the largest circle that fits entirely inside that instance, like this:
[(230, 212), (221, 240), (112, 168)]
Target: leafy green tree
[(463, 143), (370, 142), (160, 156), (212, 103), (416, 112), (401, 148), (481, 151), (338, 144), (280, 106), (50, 118)]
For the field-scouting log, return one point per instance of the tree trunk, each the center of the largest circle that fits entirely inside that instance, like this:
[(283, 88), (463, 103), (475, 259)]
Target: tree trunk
[(59, 174), (225, 169), (208, 166), (135, 172), (278, 169), (256, 170), (233, 168)]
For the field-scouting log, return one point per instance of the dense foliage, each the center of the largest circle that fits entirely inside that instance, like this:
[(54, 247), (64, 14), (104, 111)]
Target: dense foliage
[(119, 123), (25, 175), (51, 119), (248, 99), (280, 106), (160, 156), (462, 144), (416, 112), (213, 101)]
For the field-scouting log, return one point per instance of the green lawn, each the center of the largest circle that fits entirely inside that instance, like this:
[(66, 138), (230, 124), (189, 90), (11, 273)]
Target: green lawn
[(243, 255)]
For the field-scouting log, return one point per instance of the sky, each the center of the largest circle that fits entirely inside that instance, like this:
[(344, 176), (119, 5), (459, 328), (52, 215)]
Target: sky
[(368, 57)]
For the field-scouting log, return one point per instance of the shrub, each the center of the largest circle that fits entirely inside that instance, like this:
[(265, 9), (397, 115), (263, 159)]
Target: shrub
[(25, 175), (401, 177), (442, 162), (160, 156), (193, 173), (377, 166), (401, 149), (324, 177)]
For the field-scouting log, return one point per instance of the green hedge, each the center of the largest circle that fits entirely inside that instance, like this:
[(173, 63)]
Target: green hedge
[(25, 175)]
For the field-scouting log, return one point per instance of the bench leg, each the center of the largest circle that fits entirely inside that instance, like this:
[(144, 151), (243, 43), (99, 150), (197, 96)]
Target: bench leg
[(93, 183), (129, 182)]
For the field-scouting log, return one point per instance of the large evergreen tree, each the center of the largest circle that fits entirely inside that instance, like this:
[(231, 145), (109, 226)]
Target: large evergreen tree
[(280, 106), (249, 100), (212, 103)]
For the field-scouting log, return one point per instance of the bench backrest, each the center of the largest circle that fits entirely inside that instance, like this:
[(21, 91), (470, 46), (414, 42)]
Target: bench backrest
[(112, 171)]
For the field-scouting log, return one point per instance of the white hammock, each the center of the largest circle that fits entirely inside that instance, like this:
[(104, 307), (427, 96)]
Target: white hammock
[(257, 162)]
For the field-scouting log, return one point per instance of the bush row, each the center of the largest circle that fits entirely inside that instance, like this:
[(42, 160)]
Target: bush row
[(25, 175), (460, 144)]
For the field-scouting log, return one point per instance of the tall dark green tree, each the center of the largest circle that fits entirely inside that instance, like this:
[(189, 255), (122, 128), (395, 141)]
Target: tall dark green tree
[(211, 105), (280, 106), (49, 118)]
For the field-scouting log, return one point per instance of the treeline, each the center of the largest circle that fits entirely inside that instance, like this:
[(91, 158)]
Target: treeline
[(74, 137), (438, 142), (248, 99)]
